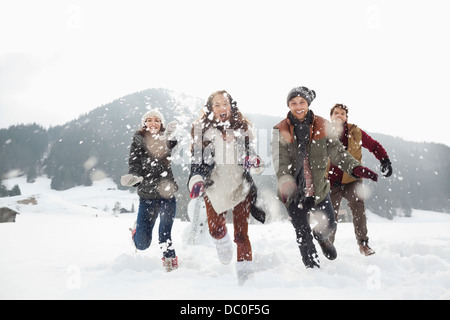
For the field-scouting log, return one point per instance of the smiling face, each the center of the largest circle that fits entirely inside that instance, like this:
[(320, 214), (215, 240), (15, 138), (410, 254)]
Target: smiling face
[(299, 107), (339, 116), (153, 124), (221, 107)]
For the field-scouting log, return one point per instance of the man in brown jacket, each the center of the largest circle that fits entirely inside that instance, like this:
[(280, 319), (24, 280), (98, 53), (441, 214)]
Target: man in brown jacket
[(343, 185), (301, 148)]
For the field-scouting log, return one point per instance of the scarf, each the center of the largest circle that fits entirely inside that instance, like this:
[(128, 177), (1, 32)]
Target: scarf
[(301, 131)]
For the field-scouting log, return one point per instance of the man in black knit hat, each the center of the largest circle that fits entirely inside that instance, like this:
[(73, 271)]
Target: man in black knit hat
[(301, 147)]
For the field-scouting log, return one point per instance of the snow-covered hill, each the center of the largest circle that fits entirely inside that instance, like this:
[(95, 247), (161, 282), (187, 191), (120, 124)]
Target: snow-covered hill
[(71, 246)]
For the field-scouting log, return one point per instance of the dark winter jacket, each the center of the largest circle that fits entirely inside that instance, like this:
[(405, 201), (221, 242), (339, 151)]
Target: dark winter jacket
[(353, 139), (150, 158), (321, 147)]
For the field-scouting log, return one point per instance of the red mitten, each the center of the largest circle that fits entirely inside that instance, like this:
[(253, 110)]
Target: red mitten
[(197, 190)]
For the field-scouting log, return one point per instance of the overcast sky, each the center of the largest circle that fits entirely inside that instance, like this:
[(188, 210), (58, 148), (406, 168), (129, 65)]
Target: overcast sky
[(388, 61)]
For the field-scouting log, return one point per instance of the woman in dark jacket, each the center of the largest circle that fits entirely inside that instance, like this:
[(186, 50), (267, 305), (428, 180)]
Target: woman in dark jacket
[(150, 171)]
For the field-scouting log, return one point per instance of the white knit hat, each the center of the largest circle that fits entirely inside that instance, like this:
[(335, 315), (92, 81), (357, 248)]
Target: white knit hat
[(153, 113)]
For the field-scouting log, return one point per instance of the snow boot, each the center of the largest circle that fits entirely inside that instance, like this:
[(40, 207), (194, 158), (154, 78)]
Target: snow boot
[(244, 271), (170, 263), (224, 248), (328, 249), (308, 252), (365, 249), (311, 261), (133, 232)]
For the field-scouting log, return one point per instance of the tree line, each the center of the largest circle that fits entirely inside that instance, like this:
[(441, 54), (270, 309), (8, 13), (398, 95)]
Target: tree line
[(96, 145)]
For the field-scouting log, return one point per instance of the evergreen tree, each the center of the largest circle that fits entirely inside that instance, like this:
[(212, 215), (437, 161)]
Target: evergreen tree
[(32, 174), (15, 191), (419, 181)]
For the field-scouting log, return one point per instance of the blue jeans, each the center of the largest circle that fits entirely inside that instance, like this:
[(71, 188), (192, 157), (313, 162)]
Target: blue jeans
[(325, 227), (149, 209)]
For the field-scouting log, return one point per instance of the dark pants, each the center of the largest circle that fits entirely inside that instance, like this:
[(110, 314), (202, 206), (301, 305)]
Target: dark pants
[(326, 224), (356, 203), (147, 214)]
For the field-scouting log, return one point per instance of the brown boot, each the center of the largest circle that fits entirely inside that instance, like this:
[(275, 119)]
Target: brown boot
[(365, 249)]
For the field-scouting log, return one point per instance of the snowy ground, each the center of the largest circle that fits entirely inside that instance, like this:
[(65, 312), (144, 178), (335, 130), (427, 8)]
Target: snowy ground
[(63, 248)]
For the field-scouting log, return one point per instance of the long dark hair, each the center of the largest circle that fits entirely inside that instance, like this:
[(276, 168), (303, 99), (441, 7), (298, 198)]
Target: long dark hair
[(237, 120)]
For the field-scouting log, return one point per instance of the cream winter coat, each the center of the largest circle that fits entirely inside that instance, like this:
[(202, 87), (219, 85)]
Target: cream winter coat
[(229, 186)]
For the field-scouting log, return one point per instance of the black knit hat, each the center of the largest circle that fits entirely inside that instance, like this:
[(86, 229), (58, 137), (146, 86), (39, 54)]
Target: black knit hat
[(304, 92)]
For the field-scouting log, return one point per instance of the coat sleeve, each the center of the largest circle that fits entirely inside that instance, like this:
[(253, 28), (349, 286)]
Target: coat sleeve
[(373, 146), (341, 157), (134, 161), (202, 158), (281, 158), (250, 151)]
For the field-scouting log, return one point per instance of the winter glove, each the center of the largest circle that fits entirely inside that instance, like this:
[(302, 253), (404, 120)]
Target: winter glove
[(197, 190), (386, 167), (253, 161), (287, 190), (363, 172), (309, 203), (171, 130), (129, 180)]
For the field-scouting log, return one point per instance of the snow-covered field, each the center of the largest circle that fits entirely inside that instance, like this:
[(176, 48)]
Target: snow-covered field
[(64, 248)]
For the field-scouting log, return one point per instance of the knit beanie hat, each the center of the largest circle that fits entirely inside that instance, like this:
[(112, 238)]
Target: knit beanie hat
[(153, 113), (304, 92)]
